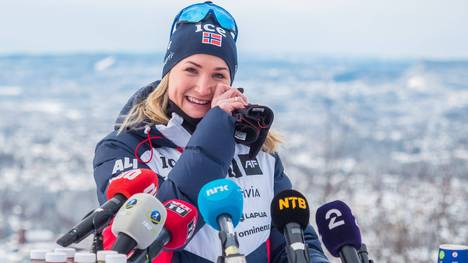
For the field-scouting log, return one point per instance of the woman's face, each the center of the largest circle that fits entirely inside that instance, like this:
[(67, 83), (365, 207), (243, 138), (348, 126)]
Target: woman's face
[(192, 83)]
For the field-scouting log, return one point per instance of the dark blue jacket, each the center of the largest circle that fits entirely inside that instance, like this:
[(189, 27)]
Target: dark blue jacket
[(209, 153)]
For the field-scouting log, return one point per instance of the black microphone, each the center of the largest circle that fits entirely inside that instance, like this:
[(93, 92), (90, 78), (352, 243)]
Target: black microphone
[(290, 214), (95, 220), (339, 230), (119, 190)]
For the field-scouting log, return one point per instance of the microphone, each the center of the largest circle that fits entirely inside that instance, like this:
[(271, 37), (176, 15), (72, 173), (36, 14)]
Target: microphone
[(290, 214), (339, 230), (119, 190), (178, 229), (138, 223), (220, 203)]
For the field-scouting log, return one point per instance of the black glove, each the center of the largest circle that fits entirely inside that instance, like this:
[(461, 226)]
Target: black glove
[(252, 126)]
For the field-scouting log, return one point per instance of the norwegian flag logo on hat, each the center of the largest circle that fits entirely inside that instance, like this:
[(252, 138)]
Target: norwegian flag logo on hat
[(212, 39)]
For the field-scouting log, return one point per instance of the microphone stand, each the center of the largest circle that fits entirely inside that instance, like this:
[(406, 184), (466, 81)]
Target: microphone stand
[(140, 256), (98, 238), (363, 255), (229, 242), (97, 242)]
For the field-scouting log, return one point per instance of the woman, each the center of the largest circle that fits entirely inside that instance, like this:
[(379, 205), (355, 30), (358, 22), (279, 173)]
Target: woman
[(182, 128)]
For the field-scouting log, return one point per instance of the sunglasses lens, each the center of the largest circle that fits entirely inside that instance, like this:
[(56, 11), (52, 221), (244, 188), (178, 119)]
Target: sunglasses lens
[(194, 14), (197, 12), (225, 20)]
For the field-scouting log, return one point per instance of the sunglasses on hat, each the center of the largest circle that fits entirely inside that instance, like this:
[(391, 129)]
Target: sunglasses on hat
[(197, 12)]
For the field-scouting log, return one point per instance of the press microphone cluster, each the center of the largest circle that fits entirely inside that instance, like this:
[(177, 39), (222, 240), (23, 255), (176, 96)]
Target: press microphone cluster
[(340, 233), (145, 226), (290, 214), (119, 190), (221, 204)]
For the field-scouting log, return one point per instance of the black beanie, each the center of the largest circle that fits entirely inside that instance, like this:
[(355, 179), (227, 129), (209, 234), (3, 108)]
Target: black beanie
[(205, 37)]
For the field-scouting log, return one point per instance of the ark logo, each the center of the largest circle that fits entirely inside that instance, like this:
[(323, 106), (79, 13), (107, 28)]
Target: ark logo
[(123, 164), (217, 189), (251, 166)]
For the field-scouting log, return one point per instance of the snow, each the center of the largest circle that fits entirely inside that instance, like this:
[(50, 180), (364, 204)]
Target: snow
[(389, 139)]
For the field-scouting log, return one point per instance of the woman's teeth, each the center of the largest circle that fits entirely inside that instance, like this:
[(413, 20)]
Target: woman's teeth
[(197, 101)]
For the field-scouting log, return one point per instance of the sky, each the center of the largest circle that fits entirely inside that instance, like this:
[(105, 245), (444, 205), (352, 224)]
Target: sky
[(371, 28)]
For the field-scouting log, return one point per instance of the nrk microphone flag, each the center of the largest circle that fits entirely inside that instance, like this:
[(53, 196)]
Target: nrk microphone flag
[(338, 227), (220, 197)]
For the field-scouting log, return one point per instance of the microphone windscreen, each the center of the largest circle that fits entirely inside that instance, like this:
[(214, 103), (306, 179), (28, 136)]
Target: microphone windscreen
[(221, 196), (338, 227), (142, 218), (289, 206), (180, 223), (133, 182)]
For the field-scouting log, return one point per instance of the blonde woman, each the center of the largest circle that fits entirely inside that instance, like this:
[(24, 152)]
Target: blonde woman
[(182, 128)]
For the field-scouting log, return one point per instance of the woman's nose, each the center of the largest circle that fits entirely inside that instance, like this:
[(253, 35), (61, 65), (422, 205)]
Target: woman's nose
[(205, 85)]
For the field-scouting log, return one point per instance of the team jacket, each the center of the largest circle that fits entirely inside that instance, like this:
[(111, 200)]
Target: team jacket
[(185, 162)]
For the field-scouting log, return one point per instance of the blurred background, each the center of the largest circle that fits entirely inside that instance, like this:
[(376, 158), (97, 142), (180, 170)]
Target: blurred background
[(371, 98)]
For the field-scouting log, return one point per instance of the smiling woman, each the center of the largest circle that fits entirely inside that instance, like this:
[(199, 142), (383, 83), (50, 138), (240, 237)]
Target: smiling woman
[(194, 82), (182, 127)]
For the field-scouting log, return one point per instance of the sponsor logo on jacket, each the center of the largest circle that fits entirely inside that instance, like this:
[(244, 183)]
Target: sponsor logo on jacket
[(254, 230), (123, 164), (252, 215), (251, 192), (250, 166)]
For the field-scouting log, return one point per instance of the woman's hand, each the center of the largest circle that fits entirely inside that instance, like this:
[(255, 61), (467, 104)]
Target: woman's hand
[(228, 98)]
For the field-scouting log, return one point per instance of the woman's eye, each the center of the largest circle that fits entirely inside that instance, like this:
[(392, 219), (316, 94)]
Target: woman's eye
[(191, 70), (219, 76)]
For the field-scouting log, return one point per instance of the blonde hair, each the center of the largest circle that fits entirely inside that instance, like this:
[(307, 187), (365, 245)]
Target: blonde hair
[(153, 108)]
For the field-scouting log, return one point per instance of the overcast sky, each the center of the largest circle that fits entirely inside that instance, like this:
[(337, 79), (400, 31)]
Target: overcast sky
[(377, 28)]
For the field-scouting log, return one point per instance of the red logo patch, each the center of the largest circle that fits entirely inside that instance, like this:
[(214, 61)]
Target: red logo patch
[(212, 38)]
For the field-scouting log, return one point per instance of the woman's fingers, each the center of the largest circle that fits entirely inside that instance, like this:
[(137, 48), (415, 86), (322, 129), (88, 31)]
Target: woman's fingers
[(220, 89), (229, 104), (228, 98)]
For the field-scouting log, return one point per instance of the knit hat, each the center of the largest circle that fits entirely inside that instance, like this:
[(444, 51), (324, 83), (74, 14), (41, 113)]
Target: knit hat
[(205, 37)]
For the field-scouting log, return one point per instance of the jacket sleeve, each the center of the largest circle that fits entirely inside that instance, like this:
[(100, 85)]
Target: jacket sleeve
[(277, 241), (206, 157), (111, 158)]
